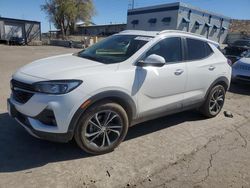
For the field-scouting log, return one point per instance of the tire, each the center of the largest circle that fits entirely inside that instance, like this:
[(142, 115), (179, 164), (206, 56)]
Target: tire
[(101, 128), (214, 102)]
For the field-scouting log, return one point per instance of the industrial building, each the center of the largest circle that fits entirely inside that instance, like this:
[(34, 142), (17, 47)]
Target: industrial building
[(29, 30), (101, 30), (179, 16)]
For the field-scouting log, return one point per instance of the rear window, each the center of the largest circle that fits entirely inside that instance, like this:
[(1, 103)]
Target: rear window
[(197, 49)]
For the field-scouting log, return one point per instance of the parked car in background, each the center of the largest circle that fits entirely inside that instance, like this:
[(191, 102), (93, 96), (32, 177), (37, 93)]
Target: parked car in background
[(233, 51), (241, 69), (94, 96), (16, 41)]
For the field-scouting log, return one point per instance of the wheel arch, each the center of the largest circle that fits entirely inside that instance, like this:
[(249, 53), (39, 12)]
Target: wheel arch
[(118, 97), (219, 81)]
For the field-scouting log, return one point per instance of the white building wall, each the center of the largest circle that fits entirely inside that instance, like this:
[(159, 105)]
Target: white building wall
[(158, 26), (1, 30), (177, 16)]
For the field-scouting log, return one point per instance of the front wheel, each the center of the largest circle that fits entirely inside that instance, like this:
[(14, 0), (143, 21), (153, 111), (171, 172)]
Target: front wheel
[(102, 128), (214, 102)]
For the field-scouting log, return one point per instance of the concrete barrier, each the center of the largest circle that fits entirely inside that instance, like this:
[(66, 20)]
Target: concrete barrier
[(35, 43)]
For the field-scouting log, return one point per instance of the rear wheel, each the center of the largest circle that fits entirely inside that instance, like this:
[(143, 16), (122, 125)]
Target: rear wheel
[(214, 102), (102, 128)]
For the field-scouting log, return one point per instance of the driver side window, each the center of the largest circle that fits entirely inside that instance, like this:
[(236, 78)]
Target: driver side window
[(169, 48)]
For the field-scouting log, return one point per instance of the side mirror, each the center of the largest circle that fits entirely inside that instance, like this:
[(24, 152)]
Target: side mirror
[(152, 60)]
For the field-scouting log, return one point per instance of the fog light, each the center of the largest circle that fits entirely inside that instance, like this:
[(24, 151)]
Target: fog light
[(47, 117)]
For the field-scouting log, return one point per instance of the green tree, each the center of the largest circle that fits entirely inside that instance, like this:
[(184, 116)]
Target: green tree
[(65, 13)]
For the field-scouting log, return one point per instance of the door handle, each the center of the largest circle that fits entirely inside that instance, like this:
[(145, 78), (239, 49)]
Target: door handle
[(211, 68), (178, 72)]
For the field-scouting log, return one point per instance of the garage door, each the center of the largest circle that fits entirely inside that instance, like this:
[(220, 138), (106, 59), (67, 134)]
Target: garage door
[(13, 30)]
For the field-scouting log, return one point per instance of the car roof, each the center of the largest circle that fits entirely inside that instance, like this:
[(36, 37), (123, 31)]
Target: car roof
[(140, 32), (165, 32)]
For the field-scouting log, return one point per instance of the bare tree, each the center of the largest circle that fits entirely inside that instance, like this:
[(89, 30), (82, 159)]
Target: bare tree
[(65, 13)]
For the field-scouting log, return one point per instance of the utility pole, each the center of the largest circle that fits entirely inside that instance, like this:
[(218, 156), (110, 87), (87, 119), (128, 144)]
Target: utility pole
[(50, 29), (133, 4)]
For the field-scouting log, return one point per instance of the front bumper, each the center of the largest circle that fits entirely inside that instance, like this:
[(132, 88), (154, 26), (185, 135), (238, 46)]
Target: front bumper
[(50, 117), (25, 122), (241, 76)]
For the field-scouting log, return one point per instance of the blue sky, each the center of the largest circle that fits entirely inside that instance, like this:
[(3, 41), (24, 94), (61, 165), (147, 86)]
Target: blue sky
[(115, 11)]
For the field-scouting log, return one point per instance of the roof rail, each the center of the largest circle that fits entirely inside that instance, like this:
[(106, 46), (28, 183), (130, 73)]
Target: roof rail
[(140, 32), (185, 32), (179, 31)]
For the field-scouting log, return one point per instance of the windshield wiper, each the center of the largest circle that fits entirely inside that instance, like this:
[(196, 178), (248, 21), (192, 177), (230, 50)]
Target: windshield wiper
[(89, 57)]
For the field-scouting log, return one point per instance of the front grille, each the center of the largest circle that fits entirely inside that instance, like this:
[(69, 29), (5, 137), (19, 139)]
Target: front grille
[(243, 67), (22, 85), (21, 92)]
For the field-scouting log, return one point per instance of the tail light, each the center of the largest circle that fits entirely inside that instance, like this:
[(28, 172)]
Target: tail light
[(229, 62)]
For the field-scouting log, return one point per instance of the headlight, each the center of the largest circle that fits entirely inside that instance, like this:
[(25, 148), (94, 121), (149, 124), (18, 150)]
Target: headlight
[(56, 87)]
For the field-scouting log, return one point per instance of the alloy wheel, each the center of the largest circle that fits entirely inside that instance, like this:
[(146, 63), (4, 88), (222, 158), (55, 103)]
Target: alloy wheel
[(103, 129), (216, 101)]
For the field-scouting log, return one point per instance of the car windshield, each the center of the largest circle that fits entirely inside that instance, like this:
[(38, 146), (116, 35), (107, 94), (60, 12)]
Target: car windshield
[(114, 49), (242, 43), (247, 55)]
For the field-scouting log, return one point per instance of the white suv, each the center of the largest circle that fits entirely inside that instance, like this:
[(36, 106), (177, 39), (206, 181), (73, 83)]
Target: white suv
[(134, 76)]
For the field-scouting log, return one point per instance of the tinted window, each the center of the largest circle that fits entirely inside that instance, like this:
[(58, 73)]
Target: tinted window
[(209, 50), (197, 49), (242, 43), (169, 48)]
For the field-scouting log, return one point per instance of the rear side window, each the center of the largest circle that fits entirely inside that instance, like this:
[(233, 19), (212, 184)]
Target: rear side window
[(197, 49), (169, 48)]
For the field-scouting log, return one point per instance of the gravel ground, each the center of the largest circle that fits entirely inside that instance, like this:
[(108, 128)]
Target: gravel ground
[(182, 150)]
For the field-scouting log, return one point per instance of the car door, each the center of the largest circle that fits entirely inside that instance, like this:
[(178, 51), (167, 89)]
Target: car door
[(161, 88), (200, 69)]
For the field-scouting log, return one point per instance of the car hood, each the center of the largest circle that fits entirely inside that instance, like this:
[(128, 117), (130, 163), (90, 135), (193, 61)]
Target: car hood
[(245, 60), (57, 67)]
